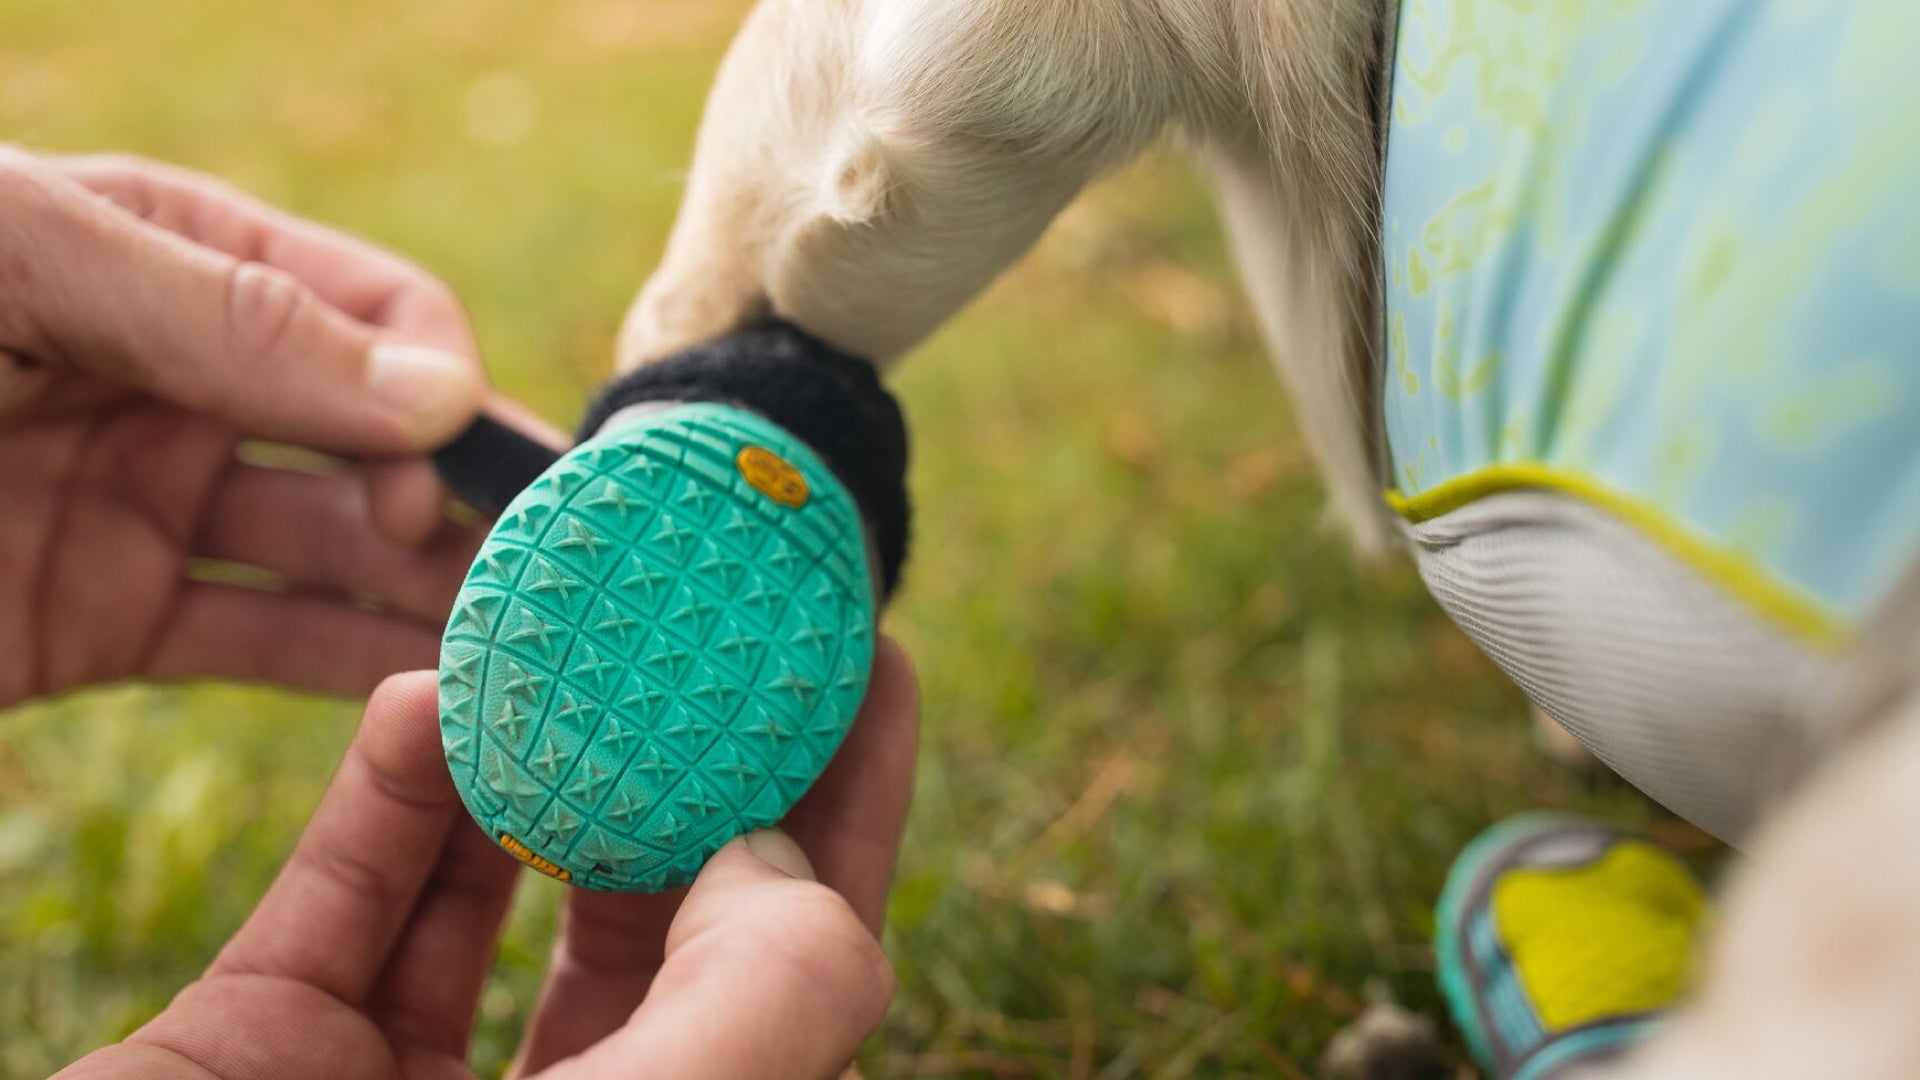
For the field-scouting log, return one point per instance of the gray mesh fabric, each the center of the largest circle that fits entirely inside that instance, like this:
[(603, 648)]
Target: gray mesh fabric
[(1678, 687)]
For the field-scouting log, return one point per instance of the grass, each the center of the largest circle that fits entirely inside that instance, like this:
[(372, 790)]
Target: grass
[(1191, 777)]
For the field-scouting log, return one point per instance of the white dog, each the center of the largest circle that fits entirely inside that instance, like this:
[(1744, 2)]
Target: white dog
[(867, 167)]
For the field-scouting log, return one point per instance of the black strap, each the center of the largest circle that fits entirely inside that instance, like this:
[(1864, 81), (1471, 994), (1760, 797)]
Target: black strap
[(490, 463)]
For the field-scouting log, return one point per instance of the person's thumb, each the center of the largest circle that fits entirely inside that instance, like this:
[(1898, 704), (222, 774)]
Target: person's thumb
[(777, 849), (238, 340), (768, 975)]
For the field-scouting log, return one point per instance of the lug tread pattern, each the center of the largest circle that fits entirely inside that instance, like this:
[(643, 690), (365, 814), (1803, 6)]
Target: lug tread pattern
[(651, 657)]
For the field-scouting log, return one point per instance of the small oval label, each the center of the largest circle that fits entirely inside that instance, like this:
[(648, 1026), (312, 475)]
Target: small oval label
[(526, 855), (771, 475)]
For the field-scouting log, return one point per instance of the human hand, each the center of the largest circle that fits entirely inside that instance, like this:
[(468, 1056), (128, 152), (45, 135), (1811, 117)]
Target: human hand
[(366, 959), (150, 320)]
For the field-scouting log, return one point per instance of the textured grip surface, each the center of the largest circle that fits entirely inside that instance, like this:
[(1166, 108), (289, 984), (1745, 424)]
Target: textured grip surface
[(659, 647)]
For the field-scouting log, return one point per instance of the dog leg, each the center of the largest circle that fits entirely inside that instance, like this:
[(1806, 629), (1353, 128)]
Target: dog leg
[(1309, 291), (864, 169)]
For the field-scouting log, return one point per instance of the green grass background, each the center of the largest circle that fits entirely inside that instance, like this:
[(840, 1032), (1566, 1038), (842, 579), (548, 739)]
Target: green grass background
[(1190, 777)]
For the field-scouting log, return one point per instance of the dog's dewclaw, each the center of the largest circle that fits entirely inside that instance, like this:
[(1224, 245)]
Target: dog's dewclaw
[(659, 648)]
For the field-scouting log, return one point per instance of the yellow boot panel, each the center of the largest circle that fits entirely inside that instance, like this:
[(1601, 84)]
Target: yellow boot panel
[(1604, 940)]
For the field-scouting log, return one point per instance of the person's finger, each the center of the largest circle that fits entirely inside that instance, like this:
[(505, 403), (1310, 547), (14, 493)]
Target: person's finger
[(611, 947), (767, 976), (427, 997), (361, 279), (239, 340), (406, 501), (333, 915), (300, 642), (524, 420), (409, 501), (852, 821), (317, 530)]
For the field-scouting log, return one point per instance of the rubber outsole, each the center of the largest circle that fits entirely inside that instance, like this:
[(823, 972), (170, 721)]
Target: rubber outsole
[(659, 647)]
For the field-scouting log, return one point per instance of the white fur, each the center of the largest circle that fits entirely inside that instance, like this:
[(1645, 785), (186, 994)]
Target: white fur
[(868, 166)]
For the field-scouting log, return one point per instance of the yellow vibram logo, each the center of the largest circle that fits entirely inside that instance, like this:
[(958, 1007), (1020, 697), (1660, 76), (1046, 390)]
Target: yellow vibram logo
[(525, 854), (772, 476)]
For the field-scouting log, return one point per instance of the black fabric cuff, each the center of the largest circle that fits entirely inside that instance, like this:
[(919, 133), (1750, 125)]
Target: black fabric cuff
[(833, 402)]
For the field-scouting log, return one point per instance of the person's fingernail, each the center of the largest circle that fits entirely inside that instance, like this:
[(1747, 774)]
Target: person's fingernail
[(436, 391), (777, 849)]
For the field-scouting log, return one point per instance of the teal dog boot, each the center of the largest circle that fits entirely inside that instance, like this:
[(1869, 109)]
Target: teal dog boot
[(668, 633), (1561, 944)]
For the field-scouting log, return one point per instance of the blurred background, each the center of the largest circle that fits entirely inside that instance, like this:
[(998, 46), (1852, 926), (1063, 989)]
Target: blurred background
[(1190, 776)]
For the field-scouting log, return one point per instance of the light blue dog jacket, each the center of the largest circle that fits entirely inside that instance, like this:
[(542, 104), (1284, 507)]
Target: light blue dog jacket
[(1651, 272), (1664, 256)]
